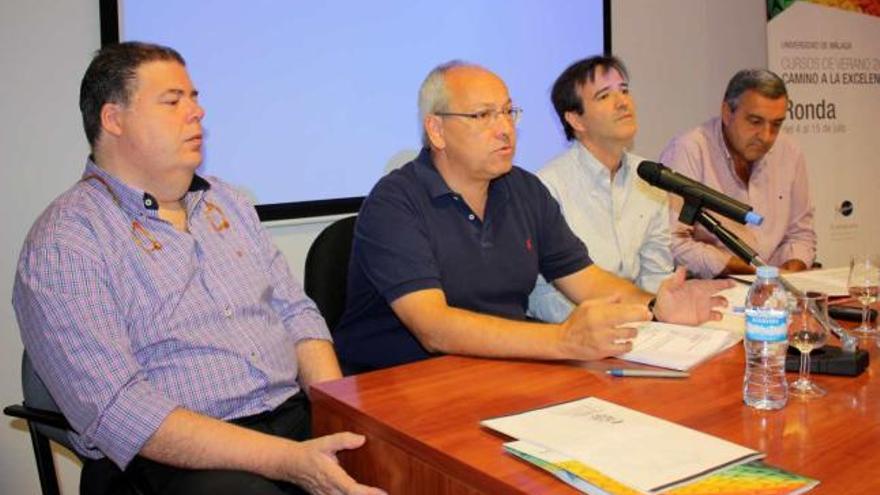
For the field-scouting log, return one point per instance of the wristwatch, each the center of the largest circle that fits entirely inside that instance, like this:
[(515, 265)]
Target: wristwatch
[(651, 304)]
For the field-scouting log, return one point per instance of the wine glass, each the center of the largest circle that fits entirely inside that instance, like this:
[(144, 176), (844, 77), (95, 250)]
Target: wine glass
[(807, 332), (864, 279)]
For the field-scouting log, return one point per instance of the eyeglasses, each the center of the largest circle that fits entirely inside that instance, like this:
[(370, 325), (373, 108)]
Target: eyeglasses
[(144, 238), (488, 116)]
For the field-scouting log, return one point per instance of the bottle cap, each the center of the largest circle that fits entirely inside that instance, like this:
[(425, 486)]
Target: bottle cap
[(767, 271)]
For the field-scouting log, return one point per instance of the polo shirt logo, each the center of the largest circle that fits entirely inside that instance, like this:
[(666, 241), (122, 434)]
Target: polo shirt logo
[(529, 244)]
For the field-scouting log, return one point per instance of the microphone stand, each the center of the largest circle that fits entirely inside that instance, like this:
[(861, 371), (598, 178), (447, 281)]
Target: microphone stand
[(692, 211)]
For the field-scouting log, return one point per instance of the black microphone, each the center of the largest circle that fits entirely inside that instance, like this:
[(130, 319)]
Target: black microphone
[(659, 175)]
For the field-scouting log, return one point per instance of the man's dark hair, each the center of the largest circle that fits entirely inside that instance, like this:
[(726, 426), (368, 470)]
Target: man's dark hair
[(565, 96), (765, 82), (110, 79)]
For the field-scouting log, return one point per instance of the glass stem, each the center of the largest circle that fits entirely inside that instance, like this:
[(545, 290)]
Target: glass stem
[(805, 367), (864, 315)]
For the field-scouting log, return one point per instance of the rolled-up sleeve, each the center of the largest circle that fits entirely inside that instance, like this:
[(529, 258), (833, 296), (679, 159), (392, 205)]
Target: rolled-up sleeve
[(75, 334), (700, 258), (799, 241), (548, 304), (655, 257)]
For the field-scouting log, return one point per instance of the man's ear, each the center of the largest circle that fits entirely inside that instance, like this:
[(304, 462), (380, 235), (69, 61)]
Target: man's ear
[(434, 130), (111, 119), (726, 113), (574, 121)]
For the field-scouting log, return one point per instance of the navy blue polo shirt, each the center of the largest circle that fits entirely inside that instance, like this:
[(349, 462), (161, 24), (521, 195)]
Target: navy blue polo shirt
[(413, 233)]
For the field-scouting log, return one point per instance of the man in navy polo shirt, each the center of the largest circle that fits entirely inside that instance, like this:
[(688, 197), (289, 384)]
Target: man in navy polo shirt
[(448, 248)]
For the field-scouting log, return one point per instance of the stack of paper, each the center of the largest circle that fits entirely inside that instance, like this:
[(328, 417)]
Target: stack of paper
[(744, 479), (736, 298), (831, 281), (677, 347), (619, 446)]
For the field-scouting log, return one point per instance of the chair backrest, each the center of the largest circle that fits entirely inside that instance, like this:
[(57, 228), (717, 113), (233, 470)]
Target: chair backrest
[(45, 422), (37, 396), (326, 270)]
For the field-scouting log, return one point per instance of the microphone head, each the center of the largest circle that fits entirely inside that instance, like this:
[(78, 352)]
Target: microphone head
[(650, 171), (753, 218)]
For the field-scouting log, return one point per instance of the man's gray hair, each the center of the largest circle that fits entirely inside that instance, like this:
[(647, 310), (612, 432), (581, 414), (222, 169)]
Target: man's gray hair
[(765, 82), (433, 95)]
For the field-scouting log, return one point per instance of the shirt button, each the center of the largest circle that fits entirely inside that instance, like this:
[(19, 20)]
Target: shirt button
[(471, 216), (227, 312), (455, 198), (148, 202)]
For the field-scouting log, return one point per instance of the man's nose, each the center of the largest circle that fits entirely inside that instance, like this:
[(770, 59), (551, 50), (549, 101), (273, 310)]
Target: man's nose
[(197, 112), (504, 125), (766, 133)]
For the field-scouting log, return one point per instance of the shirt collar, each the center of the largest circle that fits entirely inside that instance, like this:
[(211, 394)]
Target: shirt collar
[(138, 201), (430, 177), (718, 132), (197, 189), (596, 171)]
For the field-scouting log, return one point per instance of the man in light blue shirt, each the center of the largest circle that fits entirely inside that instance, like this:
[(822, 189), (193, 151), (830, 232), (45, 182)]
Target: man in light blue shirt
[(622, 220)]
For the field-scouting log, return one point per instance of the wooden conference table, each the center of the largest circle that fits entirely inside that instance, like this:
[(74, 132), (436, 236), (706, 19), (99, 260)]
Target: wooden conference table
[(422, 421)]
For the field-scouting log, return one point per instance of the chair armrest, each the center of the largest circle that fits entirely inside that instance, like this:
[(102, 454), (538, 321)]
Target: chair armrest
[(41, 416)]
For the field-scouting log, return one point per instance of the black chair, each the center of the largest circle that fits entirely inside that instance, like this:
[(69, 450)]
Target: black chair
[(326, 270), (45, 423)]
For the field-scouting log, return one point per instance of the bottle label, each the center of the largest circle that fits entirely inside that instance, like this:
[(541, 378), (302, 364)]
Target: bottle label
[(766, 325)]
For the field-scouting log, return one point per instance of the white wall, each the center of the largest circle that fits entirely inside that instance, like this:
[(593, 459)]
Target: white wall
[(44, 47), (680, 53)]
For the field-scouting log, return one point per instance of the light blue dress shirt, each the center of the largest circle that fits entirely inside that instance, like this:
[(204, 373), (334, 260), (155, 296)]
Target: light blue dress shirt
[(624, 223)]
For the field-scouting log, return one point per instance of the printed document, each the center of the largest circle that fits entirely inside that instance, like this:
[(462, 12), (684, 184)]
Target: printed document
[(831, 281), (677, 347), (641, 451)]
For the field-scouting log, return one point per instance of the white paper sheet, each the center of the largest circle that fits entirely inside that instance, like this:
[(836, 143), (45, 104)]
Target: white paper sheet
[(677, 347), (831, 281), (636, 449)]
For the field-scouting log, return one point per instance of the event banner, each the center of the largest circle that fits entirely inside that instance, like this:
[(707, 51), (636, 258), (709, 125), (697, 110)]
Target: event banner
[(828, 53)]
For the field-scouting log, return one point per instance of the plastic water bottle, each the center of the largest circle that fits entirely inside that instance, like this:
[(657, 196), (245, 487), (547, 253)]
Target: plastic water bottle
[(766, 341)]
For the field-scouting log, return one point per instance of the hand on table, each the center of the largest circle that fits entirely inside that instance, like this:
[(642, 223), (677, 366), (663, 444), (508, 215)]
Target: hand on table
[(689, 302)]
